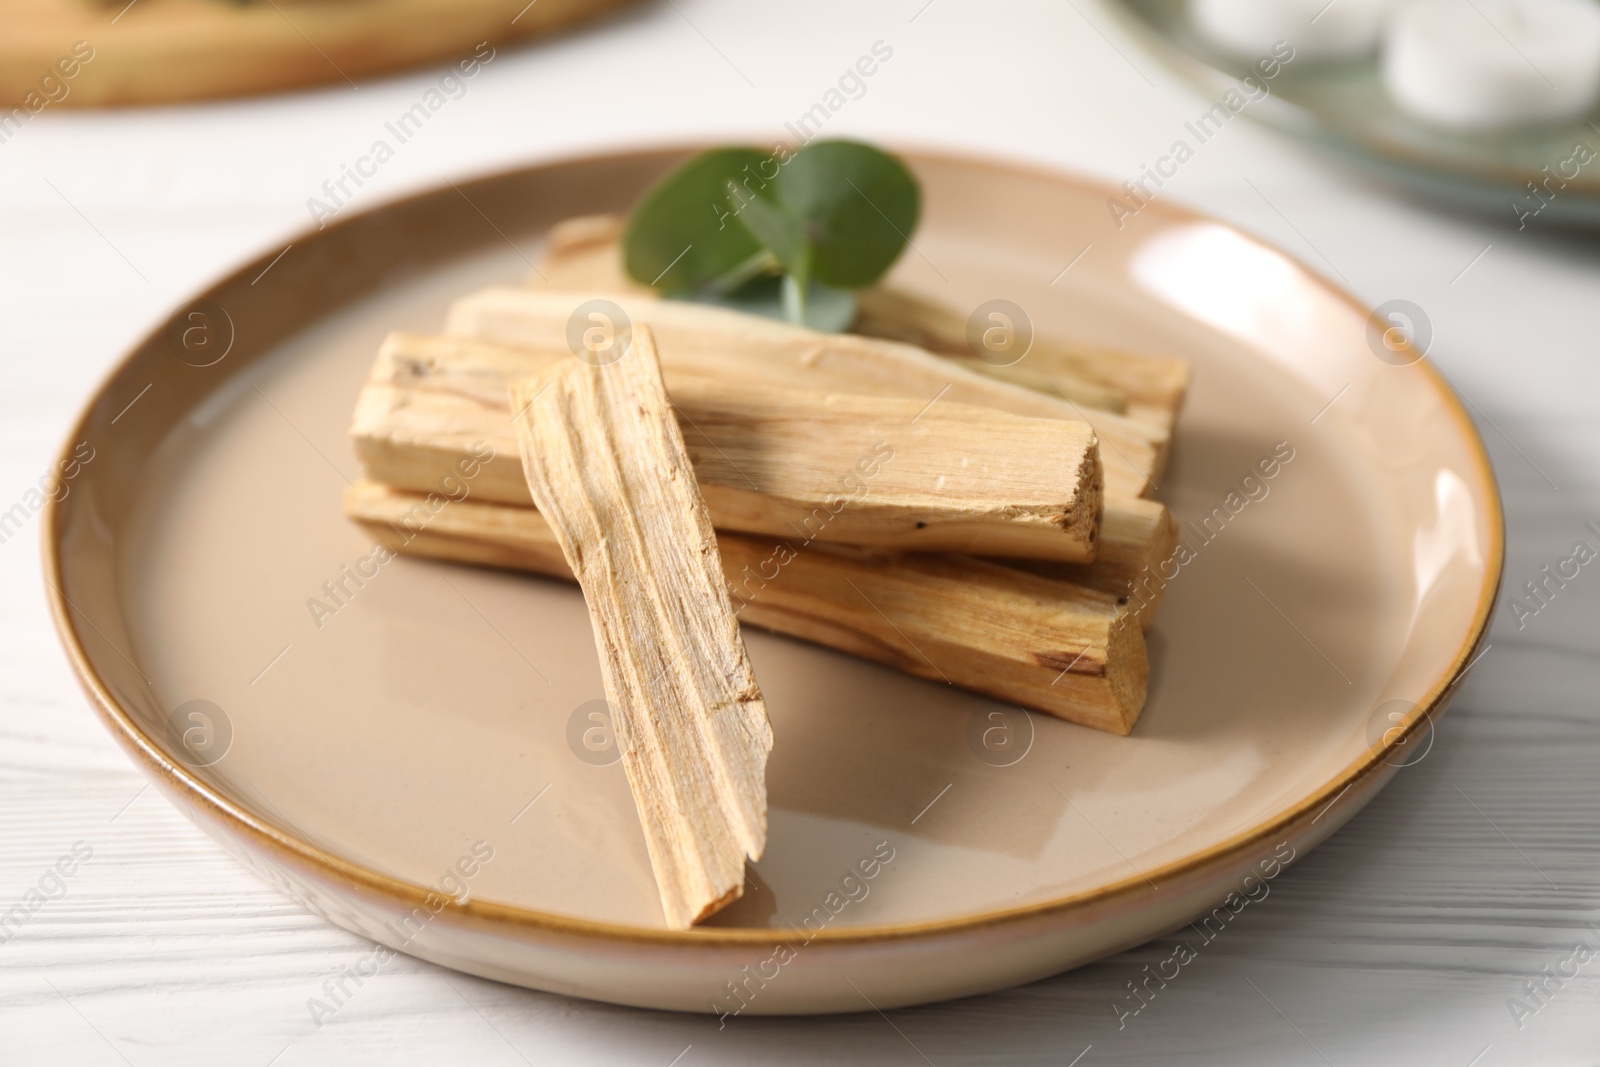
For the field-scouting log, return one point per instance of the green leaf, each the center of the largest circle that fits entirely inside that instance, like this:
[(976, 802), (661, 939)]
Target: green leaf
[(781, 232), (853, 207), (832, 217), (682, 235)]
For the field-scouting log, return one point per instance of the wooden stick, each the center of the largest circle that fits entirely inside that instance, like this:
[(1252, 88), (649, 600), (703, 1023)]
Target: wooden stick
[(1137, 538), (433, 404), (606, 464), (858, 470), (586, 250), (728, 346), (582, 253), (1148, 388), (1047, 645)]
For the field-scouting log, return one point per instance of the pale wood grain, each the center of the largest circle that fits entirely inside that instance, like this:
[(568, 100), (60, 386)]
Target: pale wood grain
[(1059, 648), (466, 408), (711, 342), (1148, 388), (584, 253), (883, 472), (606, 465), (1136, 537)]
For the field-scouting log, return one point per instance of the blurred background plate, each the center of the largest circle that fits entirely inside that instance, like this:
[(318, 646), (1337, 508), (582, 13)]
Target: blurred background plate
[(1343, 108), (164, 51)]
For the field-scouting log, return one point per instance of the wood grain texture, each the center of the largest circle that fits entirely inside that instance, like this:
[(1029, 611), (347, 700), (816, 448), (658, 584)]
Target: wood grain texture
[(1136, 537), (726, 345), (607, 466), (1066, 650), (1149, 388), (583, 253), (161, 51), (876, 471)]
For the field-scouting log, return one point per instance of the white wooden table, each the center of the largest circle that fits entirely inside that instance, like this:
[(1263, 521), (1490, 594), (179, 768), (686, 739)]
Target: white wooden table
[(1399, 941)]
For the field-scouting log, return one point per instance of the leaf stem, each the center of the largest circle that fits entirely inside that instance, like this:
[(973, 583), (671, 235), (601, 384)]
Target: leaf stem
[(762, 262), (794, 299)]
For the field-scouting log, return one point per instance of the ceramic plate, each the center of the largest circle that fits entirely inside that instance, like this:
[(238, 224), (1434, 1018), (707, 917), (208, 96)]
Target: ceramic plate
[(1344, 108), (412, 764)]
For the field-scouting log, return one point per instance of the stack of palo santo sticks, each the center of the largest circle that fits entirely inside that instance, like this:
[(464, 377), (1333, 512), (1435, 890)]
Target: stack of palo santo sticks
[(881, 492)]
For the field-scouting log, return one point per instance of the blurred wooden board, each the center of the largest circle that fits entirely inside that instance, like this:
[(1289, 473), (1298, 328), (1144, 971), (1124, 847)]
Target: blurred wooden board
[(162, 51)]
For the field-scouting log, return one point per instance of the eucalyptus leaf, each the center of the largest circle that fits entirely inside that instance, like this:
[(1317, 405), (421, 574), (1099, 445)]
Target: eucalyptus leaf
[(782, 232), (787, 234), (683, 234), (853, 206)]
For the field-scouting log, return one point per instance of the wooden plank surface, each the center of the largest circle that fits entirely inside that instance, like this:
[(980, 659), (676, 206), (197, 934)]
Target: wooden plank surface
[(1397, 942)]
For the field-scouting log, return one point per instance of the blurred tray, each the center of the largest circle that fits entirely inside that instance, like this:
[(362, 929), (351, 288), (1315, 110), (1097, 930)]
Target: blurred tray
[(163, 51)]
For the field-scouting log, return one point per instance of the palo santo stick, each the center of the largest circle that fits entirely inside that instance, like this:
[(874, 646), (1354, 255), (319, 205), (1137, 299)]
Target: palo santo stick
[(581, 235), (434, 404), (1136, 538), (586, 252), (583, 253), (728, 346), (606, 464), (1047, 645), (872, 471), (1136, 535), (1152, 388)]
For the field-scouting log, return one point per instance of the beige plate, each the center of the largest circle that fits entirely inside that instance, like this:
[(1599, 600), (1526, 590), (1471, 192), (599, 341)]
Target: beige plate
[(363, 758)]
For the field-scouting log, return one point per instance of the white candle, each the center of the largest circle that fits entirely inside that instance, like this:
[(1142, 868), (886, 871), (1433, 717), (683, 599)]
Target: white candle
[(1315, 29), (1481, 64)]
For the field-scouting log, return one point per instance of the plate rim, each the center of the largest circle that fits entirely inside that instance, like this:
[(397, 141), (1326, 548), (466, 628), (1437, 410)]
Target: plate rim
[(181, 781)]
